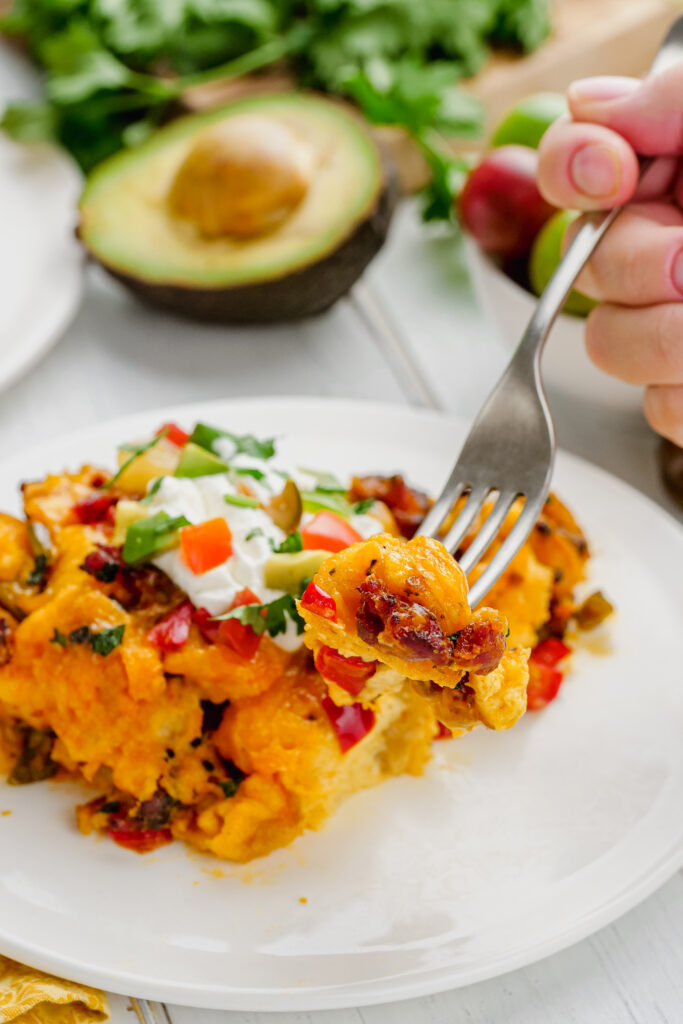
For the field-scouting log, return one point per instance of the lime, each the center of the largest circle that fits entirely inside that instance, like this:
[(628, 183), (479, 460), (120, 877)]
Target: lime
[(528, 120), (547, 253)]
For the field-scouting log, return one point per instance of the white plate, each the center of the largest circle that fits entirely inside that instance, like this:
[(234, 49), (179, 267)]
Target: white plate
[(41, 263), (511, 847)]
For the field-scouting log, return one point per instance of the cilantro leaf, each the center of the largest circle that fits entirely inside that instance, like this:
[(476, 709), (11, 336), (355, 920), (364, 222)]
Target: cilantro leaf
[(361, 507), (107, 640), (245, 444), (58, 638), (37, 574), (267, 618), (149, 536), (290, 545), (30, 122)]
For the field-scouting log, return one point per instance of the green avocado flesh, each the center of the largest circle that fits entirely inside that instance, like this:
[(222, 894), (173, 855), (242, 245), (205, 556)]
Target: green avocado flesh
[(127, 225)]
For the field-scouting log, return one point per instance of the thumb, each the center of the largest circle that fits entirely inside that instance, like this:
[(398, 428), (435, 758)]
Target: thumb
[(648, 114)]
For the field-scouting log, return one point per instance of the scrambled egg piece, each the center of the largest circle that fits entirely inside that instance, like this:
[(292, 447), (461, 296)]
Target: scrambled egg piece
[(401, 606)]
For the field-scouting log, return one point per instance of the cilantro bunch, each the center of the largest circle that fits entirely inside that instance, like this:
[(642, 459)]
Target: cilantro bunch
[(116, 68)]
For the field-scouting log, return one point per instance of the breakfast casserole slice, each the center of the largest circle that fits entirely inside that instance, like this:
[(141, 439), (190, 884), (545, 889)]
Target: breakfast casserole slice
[(222, 649), (387, 610)]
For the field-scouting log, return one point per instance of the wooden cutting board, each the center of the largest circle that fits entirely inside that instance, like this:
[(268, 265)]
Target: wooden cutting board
[(590, 37)]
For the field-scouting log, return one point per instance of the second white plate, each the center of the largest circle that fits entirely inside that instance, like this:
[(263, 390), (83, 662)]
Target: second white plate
[(511, 847), (41, 263)]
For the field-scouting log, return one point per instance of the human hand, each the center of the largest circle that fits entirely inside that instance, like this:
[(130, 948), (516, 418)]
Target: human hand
[(588, 161)]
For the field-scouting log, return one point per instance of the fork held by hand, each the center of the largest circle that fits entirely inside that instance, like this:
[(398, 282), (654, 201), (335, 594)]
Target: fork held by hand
[(510, 451)]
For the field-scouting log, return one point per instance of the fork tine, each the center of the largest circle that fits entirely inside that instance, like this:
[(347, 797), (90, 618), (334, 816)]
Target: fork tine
[(442, 508), (466, 516), (489, 530), (506, 552)]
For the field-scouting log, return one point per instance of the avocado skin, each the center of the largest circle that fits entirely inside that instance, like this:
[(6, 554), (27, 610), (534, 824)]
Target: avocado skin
[(302, 293)]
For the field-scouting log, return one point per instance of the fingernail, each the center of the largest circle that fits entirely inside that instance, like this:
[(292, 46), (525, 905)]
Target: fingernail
[(677, 272), (602, 89), (595, 171)]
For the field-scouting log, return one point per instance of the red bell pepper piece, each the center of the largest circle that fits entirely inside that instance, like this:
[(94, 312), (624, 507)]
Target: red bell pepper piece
[(94, 509), (315, 599), (238, 635), (206, 546), (171, 632), (550, 651), (544, 685), (350, 723), (174, 433), (328, 532), (206, 624), (140, 840), (350, 673), (443, 733)]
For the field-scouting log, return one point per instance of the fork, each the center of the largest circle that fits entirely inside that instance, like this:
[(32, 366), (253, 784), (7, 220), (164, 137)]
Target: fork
[(510, 451)]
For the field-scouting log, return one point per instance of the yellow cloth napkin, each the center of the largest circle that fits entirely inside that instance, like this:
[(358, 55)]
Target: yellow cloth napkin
[(31, 997)]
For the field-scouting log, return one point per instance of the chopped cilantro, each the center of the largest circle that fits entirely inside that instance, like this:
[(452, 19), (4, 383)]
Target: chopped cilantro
[(37, 574), (361, 507), (240, 500), (454, 636), (267, 618), (229, 787), (257, 474), (290, 544), (111, 807), (256, 532), (149, 536), (104, 642), (245, 444), (136, 452)]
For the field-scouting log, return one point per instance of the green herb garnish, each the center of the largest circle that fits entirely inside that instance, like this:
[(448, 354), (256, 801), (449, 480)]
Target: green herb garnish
[(102, 643), (110, 808), (106, 640), (361, 507), (37, 574), (267, 618), (290, 545), (256, 532), (240, 500), (149, 536), (229, 787), (136, 452), (245, 444)]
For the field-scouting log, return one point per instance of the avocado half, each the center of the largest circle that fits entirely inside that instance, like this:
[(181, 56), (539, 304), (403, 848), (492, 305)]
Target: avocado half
[(298, 269)]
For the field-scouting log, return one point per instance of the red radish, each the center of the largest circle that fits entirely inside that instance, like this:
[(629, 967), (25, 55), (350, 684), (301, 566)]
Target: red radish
[(501, 206)]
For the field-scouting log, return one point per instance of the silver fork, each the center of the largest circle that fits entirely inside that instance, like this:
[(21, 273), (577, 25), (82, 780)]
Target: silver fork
[(510, 451)]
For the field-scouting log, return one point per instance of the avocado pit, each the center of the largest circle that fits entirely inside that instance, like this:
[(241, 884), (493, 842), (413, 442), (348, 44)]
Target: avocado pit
[(243, 177)]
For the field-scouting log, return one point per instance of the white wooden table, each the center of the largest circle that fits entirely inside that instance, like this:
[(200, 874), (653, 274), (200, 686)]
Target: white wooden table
[(119, 358)]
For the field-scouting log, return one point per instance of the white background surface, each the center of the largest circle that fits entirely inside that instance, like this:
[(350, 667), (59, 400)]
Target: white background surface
[(118, 358)]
